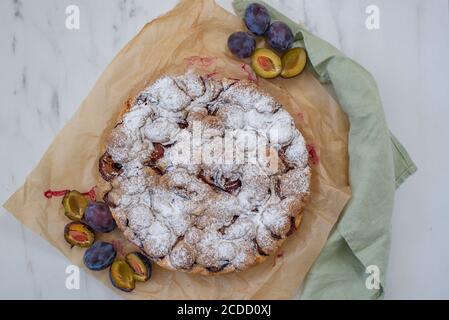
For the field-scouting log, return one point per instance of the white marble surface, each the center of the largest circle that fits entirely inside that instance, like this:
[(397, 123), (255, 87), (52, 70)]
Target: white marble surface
[(46, 71)]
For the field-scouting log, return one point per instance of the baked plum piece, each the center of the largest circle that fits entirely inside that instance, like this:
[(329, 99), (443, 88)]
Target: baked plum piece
[(108, 168)]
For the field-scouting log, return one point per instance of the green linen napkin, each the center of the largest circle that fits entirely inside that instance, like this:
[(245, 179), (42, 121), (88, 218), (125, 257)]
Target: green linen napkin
[(378, 164)]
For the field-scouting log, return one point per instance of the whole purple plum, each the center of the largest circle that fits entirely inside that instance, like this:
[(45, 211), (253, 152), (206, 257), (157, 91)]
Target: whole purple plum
[(279, 36), (242, 44), (99, 217), (99, 256), (257, 18)]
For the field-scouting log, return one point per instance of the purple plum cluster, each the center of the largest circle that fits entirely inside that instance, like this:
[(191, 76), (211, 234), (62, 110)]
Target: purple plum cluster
[(257, 19), (89, 217)]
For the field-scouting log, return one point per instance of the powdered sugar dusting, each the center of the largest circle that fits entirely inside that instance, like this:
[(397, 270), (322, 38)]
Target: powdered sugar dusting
[(216, 215)]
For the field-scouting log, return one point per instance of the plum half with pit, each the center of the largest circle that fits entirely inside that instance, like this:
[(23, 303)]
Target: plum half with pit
[(99, 217), (122, 276), (79, 234), (266, 63), (279, 36), (140, 264), (257, 18), (99, 256), (241, 44)]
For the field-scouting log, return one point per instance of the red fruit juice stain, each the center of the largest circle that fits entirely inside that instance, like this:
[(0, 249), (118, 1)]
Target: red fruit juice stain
[(60, 193), (250, 73), (300, 116), (211, 74), (52, 193), (314, 158), (119, 247), (279, 255), (200, 61)]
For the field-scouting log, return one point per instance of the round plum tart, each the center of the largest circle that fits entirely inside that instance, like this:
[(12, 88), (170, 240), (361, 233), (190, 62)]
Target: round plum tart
[(206, 176)]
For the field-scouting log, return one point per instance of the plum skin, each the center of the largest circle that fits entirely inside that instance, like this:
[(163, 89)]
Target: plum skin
[(241, 44), (257, 18), (279, 36), (98, 216), (99, 256)]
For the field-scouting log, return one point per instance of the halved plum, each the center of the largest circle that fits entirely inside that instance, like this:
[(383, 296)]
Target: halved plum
[(141, 266), (74, 204), (293, 62), (122, 276), (266, 63), (79, 234)]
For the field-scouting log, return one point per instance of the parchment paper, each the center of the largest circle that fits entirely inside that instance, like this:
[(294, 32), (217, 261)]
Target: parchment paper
[(193, 35)]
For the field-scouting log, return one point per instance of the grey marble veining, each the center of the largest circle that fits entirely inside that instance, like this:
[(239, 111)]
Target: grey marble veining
[(46, 70)]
